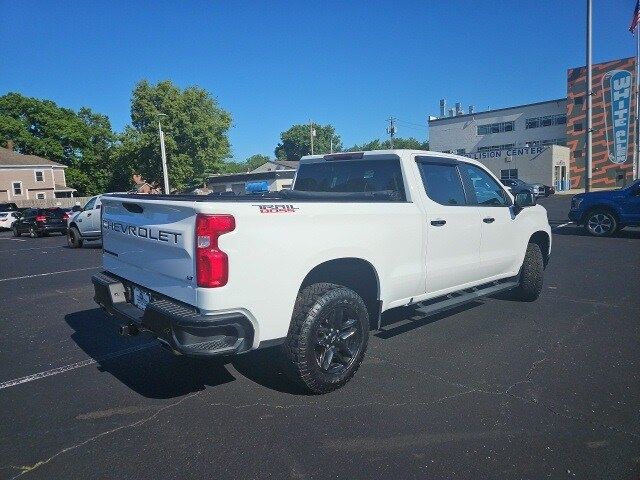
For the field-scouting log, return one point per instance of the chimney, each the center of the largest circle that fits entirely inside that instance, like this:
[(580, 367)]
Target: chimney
[(470, 108), (443, 106), (10, 145)]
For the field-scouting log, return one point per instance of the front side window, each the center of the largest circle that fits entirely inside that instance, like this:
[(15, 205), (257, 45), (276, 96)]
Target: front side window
[(488, 192), (353, 176), (442, 183), (89, 205)]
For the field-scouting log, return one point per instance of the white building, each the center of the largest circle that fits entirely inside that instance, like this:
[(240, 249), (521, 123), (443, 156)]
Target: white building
[(499, 137), (272, 176), (535, 124)]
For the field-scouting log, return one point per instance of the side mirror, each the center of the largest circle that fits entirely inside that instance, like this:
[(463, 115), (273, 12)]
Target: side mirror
[(524, 199)]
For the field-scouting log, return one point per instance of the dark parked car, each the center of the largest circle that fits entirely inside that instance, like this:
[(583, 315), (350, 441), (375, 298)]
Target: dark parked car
[(604, 213), (8, 207), (40, 221)]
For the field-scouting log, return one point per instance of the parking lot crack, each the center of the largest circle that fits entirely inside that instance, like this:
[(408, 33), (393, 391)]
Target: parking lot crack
[(24, 469)]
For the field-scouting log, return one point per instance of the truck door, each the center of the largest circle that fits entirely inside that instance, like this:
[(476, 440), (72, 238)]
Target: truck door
[(453, 232), (86, 219), (500, 240)]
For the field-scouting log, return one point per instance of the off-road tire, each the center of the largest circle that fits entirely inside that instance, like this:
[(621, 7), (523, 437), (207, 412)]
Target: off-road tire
[(312, 306), (600, 223), (531, 275), (15, 231), (74, 239)]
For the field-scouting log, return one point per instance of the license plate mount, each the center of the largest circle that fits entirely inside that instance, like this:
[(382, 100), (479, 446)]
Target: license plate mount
[(141, 298)]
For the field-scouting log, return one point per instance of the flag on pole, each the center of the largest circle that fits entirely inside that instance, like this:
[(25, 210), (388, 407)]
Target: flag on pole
[(636, 17)]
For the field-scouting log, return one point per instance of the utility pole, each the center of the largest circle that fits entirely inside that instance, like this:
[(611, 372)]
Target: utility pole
[(391, 130), (312, 133), (589, 149), (331, 147), (163, 153)]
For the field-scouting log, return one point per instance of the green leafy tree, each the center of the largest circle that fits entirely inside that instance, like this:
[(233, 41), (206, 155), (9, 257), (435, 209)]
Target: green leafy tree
[(296, 142), (409, 143), (195, 134), (254, 161), (81, 140)]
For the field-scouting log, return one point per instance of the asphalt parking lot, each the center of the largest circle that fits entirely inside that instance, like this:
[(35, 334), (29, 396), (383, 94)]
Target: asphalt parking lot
[(497, 389)]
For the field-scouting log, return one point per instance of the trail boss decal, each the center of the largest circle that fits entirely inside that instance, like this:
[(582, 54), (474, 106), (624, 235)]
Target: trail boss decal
[(142, 232), (276, 208)]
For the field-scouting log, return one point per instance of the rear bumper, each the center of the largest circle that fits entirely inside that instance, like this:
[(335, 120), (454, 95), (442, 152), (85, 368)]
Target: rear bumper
[(61, 227), (179, 327)]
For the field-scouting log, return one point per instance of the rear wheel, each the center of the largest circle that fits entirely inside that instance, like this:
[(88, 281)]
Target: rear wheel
[(531, 275), (328, 336), (601, 223), (74, 239)]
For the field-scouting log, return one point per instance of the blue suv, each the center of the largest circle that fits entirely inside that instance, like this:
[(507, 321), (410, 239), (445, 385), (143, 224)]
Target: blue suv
[(604, 213)]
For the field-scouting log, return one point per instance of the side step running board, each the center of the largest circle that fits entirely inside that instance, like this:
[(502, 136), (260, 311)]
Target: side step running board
[(455, 299)]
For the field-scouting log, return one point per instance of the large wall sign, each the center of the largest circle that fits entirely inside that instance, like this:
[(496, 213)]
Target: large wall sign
[(618, 88)]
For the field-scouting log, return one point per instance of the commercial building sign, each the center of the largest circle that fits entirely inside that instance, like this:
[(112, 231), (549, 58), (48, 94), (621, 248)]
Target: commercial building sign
[(617, 118), (512, 152)]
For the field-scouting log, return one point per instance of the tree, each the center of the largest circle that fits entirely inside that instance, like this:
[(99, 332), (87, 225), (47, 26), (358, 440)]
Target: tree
[(410, 143), (296, 142), (81, 140), (254, 161), (195, 134)]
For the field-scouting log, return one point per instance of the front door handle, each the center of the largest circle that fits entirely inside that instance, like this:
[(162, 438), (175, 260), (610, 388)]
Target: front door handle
[(489, 220), (88, 214), (438, 223)]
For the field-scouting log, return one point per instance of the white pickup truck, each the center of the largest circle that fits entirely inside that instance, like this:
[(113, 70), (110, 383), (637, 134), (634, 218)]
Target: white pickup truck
[(314, 268)]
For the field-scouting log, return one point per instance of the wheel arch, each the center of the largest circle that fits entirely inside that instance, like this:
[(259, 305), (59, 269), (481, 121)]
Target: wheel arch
[(609, 208), (355, 273), (542, 239)]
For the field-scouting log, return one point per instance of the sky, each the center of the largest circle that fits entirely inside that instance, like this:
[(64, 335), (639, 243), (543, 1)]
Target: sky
[(273, 64)]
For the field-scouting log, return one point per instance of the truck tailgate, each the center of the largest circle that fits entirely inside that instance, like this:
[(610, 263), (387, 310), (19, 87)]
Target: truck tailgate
[(151, 244)]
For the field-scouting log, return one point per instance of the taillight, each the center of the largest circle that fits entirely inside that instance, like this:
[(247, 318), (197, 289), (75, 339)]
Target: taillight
[(41, 218), (65, 216), (212, 264)]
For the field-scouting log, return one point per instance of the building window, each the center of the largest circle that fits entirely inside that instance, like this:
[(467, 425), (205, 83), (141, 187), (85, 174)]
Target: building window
[(578, 100), (41, 196), (17, 188), (577, 127), (509, 173), (39, 176), (490, 148), (461, 151), (546, 121), (544, 143), (496, 128), (577, 154)]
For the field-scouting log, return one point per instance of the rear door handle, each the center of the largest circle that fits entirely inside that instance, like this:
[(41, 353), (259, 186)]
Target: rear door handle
[(489, 220), (438, 223)]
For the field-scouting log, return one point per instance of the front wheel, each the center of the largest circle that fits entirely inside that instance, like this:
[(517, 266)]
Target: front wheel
[(74, 239), (601, 223), (328, 336), (531, 273)]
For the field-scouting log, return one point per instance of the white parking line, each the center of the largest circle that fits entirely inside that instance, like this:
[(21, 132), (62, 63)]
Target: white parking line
[(13, 239), (73, 366), (560, 226), (49, 273)]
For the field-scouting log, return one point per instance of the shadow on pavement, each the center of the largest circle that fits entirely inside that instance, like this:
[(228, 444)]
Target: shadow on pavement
[(156, 373), (578, 231), (415, 319)]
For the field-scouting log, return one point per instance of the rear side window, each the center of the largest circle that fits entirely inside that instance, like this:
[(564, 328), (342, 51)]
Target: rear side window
[(442, 183), (353, 176)]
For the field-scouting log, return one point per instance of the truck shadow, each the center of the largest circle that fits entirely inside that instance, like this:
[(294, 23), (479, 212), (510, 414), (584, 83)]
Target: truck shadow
[(409, 318), (579, 231), (153, 372)]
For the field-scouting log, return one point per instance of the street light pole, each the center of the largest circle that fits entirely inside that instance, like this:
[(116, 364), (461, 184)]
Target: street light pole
[(588, 160), (163, 152)]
